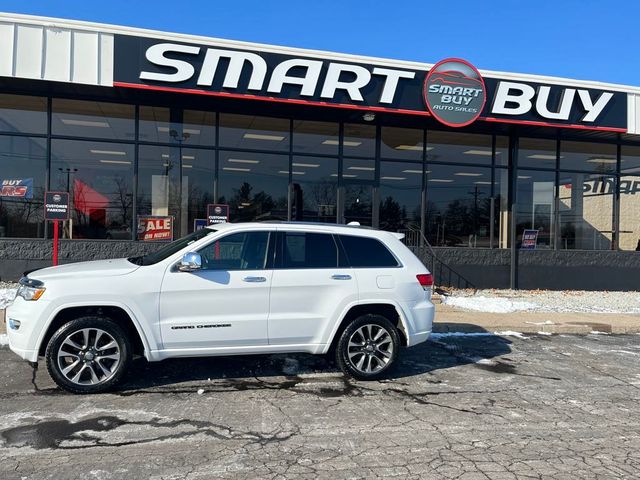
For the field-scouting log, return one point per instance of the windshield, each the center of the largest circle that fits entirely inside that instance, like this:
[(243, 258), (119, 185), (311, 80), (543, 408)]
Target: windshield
[(171, 248)]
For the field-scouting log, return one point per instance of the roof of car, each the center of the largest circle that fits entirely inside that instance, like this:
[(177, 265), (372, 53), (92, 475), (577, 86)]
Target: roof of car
[(334, 227)]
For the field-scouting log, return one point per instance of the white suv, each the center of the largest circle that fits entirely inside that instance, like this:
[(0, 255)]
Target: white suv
[(229, 289)]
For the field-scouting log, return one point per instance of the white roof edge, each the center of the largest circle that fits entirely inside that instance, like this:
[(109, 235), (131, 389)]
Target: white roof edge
[(123, 30)]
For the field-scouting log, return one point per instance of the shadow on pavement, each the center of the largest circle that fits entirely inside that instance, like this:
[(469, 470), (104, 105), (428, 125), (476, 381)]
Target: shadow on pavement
[(442, 351)]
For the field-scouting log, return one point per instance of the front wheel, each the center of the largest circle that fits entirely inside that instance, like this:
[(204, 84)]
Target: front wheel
[(368, 347), (88, 355)]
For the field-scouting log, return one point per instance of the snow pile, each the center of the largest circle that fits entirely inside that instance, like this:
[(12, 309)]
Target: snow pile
[(6, 296), (509, 301), (4, 340)]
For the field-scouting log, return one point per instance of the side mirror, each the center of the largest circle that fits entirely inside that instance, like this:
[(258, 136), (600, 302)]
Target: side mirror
[(191, 261)]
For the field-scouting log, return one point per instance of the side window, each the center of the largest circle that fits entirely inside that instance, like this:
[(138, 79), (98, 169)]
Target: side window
[(238, 251), (307, 250), (364, 252)]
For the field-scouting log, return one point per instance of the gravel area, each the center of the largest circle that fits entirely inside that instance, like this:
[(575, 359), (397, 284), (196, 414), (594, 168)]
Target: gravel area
[(7, 293), (507, 301)]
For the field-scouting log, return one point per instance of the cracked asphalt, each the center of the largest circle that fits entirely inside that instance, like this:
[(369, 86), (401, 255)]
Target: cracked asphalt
[(472, 407)]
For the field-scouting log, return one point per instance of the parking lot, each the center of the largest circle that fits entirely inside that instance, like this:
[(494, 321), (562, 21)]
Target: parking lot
[(461, 407)]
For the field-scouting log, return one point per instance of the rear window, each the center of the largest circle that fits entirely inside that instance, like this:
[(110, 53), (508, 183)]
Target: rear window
[(367, 252)]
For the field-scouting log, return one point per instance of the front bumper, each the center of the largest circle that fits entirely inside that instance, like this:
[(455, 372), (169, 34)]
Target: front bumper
[(24, 341)]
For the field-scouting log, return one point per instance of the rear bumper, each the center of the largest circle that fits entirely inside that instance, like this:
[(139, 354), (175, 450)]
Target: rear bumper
[(419, 323)]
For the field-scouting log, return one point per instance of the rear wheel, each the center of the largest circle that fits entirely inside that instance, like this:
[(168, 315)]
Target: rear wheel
[(88, 355), (368, 347)]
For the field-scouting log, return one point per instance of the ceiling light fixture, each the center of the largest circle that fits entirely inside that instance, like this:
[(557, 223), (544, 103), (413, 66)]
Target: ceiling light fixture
[(259, 136), (242, 160), (84, 123), (236, 169), (108, 152)]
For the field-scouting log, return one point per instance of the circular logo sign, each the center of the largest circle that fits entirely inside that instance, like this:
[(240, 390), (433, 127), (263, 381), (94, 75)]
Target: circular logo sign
[(57, 198), (217, 210), (454, 92)]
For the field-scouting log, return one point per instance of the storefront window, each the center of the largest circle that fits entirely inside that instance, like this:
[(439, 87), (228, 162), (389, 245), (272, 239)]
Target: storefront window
[(535, 206), (80, 118), (502, 151), (159, 183), (585, 211), (402, 143), (315, 137), (501, 208), (630, 160), (359, 140), (198, 128), (358, 204), (180, 127), (23, 163), (459, 147), (358, 169), (315, 181), (458, 206), (537, 153), (23, 114), (591, 157), (400, 195), (629, 238), (155, 125), (255, 185), (198, 167), (99, 178), (256, 133)]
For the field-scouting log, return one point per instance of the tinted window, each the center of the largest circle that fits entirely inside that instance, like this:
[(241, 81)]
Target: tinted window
[(307, 250), (367, 252), (239, 251)]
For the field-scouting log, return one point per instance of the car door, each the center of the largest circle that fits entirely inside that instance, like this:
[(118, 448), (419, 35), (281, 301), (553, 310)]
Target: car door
[(310, 289), (226, 302)]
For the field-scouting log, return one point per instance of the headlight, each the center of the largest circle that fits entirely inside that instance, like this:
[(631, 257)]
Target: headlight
[(30, 289)]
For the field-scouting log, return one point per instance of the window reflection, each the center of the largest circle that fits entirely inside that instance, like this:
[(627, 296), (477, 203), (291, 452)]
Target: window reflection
[(99, 178), (592, 157), (81, 118), (537, 153), (629, 213), (359, 140), (459, 147), (315, 137), (359, 169), (400, 195), (401, 143), (255, 185), (358, 204), (23, 162), (315, 181), (458, 206), (198, 167), (259, 133), (24, 114)]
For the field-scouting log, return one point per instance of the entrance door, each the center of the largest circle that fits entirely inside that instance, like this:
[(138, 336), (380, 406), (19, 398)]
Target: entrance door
[(226, 303)]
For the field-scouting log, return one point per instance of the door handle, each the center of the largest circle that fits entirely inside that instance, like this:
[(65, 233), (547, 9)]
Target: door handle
[(254, 279), (341, 277)]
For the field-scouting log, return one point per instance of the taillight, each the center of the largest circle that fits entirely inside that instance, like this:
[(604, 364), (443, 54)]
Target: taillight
[(425, 280)]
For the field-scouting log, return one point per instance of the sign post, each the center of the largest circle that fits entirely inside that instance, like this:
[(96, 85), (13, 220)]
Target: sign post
[(56, 209)]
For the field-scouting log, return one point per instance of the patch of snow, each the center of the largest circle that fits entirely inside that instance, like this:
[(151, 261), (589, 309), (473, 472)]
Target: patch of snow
[(460, 334), (4, 339), (509, 333), (200, 391), (546, 322), (486, 361), (545, 333), (598, 332), (489, 304), (6, 296)]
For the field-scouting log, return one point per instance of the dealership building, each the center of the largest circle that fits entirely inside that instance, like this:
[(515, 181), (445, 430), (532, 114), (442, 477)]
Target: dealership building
[(497, 179)]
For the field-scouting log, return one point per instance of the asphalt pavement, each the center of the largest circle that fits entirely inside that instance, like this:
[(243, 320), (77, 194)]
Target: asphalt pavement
[(464, 407)]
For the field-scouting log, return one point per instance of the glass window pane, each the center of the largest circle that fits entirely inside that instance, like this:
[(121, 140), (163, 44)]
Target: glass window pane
[(400, 195), (359, 140), (302, 250), (155, 125), (99, 177), (198, 127), (401, 143), (501, 209), (630, 160), (315, 184), (159, 124), (80, 118), (359, 169), (198, 168), (23, 163), (502, 151), (363, 252), (629, 213), (585, 210), (315, 137), (20, 113), (592, 157), (255, 185), (358, 204), (537, 153), (458, 147), (238, 251), (159, 183), (458, 206), (535, 209), (259, 133)]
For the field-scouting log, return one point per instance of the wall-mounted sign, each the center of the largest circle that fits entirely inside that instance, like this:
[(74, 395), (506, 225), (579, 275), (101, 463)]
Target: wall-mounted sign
[(154, 228), (199, 224), (529, 240), (217, 213), (21, 188), (56, 206), (154, 64), (454, 92)]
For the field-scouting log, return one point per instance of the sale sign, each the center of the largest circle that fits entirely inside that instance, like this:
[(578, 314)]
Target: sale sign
[(21, 188), (152, 228)]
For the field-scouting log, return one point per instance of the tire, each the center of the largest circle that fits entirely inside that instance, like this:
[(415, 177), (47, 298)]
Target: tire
[(88, 355), (374, 347)]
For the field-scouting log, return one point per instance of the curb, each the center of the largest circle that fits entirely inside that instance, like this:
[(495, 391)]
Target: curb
[(562, 328)]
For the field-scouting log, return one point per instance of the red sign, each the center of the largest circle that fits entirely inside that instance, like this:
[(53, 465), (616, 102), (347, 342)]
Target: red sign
[(152, 228)]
